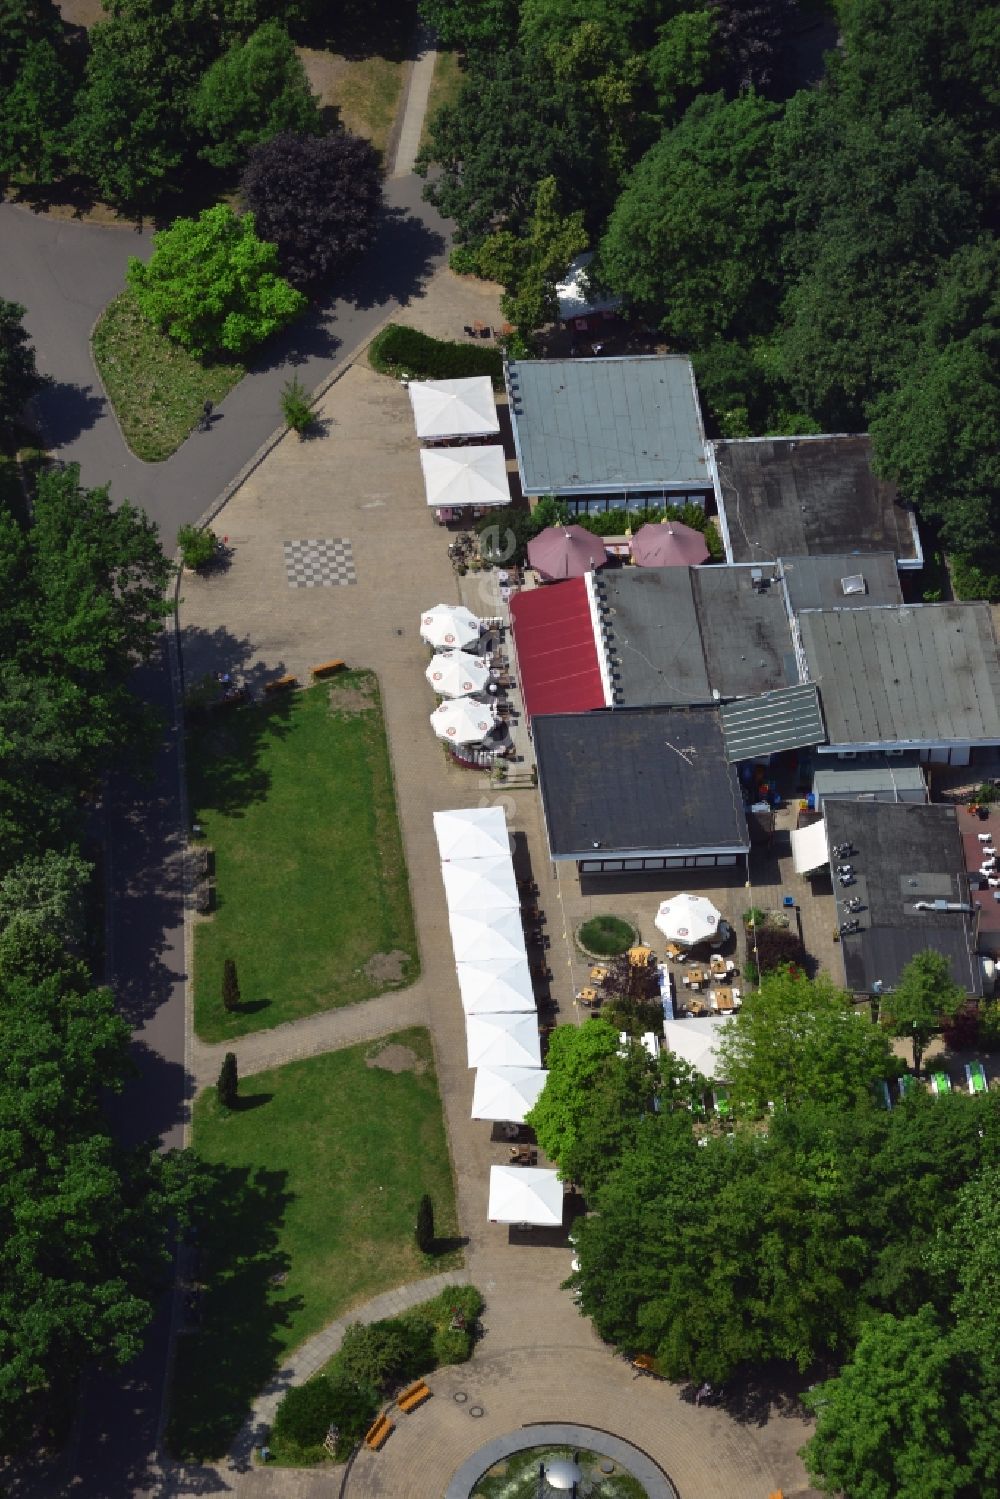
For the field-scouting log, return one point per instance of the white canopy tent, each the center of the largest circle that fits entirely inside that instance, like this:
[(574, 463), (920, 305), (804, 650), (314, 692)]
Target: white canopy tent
[(696, 1041), (490, 985), (498, 934), (688, 919), (472, 832), (463, 720), (525, 1194), (480, 884), (454, 477), (504, 1040), (810, 850), (449, 627), (506, 1093), (456, 673), (454, 408)]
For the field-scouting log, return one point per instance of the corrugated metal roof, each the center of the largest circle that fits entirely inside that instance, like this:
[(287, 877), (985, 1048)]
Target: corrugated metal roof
[(600, 425), (787, 719), (925, 673)]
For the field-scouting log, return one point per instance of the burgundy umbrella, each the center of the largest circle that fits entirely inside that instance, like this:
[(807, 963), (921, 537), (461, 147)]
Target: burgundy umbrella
[(668, 544), (565, 552)]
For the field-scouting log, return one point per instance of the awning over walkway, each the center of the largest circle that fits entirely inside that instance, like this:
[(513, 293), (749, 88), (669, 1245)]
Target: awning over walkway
[(454, 408), (556, 652), (809, 848), (788, 718), (465, 476)]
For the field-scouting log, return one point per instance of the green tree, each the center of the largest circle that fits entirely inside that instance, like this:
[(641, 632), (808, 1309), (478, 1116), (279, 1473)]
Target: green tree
[(530, 265), (35, 114), (50, 891), (230, 986), (693, 239), (924, 994), (798, 1039), (85, 1227), (256, 89), (907, 1418), (682, 57), (424, 1230), (228, 1084), (212, 285), (19, 377), (472, 25), (578, 1056), (512, 126)]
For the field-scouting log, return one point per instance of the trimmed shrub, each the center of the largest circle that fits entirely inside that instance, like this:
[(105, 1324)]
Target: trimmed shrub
[(606, 935), (228, 1085), (295, 407), (198, 546), (961, 1030), (777, 946), (304, 1415), (424, 1230), (405, 351), (453, 1345), (383, 1353)]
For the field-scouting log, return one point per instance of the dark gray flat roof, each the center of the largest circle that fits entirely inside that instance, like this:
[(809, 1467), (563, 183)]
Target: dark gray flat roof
[(917, 673), (903, 853), (603, 425), (673, 634), (759, 726), (817, 582), (637, 780), (806, 496)]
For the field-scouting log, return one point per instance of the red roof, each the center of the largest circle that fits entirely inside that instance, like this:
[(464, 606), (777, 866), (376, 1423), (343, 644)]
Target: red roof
[(556, 653)]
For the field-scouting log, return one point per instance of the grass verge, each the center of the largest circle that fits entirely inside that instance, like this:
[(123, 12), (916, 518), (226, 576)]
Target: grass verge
[(313, 901), (446, 85), (367, 94), (319, 1171), (157, 388)]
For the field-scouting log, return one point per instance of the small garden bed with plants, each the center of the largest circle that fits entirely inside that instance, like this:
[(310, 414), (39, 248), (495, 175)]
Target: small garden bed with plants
[(771, 943), (373, 1361), (157, 388), (605, 936)]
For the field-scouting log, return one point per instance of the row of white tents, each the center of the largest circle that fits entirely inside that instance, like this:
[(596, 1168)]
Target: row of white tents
[(448, 411), (494, 981)]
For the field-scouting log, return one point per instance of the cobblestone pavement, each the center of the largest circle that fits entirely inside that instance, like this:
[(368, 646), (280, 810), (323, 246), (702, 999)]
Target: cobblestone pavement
[(539, 1359)]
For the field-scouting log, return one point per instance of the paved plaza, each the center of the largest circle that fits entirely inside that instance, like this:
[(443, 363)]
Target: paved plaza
[(360, 478)]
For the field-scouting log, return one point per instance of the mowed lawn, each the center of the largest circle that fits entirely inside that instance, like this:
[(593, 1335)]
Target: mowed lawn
[(313, 900), (320, 1171)]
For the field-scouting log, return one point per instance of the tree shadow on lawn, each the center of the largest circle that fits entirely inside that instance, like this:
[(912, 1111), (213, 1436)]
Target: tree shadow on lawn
[(227, 745), (227, 1359)]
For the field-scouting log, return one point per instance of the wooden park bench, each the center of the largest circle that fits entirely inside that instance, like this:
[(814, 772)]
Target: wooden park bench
[(414, 1395), (644, 1363), (377, 1432), (281, 684), (327, 669)]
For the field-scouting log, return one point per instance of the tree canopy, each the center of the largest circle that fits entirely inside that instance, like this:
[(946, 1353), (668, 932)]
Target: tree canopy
[(796, 1039), (213, 285), (19, 377), (316, 198), (255, 90), (925, 993)]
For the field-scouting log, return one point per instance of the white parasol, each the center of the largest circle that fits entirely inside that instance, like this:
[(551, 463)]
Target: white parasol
[(463, 720), (449, 627), (456, 674), (688, 919)]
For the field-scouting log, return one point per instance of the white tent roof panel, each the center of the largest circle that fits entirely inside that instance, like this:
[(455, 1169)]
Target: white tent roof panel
[(480, 884), (809, 848), (494, 984), (454, 408), (497, 934), (504, 1040), (696, 1041), (506, 1093), (465, 476), (525, 1194), (472, 832)]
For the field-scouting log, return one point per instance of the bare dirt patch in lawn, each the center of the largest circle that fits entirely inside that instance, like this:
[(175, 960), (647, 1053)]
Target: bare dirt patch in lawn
[(395, 1058), (387, 967)]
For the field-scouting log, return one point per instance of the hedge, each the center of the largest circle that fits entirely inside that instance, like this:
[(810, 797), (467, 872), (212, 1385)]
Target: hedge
[(405, 351)]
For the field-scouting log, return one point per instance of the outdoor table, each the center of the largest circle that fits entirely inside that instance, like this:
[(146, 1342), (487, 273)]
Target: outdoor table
[(598, 975), (639, 956), (723, 998), (718, 965), (587, 995), (697, 977), (673, 951)]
